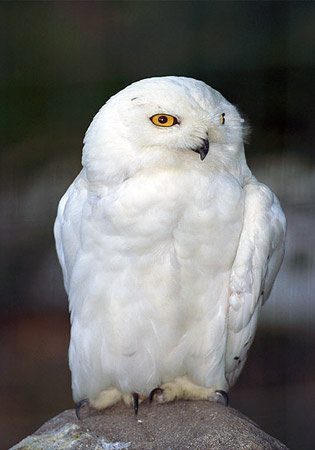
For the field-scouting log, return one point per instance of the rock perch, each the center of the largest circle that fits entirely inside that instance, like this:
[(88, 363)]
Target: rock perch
[(172, 426)]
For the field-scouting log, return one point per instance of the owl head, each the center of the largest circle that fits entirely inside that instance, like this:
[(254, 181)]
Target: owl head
[(163, 121)]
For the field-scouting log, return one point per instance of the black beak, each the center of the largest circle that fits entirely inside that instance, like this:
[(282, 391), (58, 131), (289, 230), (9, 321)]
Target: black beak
[(203, 149)]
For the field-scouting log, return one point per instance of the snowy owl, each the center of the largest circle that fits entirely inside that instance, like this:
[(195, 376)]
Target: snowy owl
[(169, 247)]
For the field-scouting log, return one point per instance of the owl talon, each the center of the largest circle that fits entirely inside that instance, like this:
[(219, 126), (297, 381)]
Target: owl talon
[(135, 397), (153, 392), (78, 407), (223, 397)]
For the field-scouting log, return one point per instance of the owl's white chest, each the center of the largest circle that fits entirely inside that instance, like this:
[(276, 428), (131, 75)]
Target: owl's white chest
[(154, 267)]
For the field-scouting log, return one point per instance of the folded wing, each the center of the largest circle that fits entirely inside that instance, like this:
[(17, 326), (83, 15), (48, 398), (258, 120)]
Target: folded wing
[(257, 262), (68, 226)]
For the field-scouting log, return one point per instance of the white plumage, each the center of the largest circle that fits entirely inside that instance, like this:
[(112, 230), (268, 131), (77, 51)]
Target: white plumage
[(168, 248)]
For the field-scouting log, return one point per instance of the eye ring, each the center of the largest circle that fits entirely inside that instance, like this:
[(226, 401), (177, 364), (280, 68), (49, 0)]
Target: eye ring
[(164, 120), (222, 118)]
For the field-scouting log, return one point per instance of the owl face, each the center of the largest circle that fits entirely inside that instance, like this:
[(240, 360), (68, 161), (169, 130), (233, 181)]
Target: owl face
[(176, 113), (164, 121)]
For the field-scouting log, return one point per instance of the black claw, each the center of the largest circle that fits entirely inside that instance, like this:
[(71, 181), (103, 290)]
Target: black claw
[(225, 397), (135, 397), (78, 407), (153, 392)]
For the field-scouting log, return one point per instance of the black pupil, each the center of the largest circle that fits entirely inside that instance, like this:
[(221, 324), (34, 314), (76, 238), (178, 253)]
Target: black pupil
[(162, 119)]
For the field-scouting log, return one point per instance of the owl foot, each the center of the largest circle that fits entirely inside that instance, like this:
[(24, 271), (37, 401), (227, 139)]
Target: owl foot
[(183, 388), (78, 407), (107, 398)]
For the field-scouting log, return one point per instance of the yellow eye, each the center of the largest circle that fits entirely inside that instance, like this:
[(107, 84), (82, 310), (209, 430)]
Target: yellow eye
[(222, 118), (163, 120)]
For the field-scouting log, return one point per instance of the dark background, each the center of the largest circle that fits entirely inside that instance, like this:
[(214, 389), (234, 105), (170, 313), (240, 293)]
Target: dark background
[(59, 62)]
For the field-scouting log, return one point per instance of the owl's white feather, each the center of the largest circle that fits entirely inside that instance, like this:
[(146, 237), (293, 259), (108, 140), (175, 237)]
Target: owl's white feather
[(166, 258)]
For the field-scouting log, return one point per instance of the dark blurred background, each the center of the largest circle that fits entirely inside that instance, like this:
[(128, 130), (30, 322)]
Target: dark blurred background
[(59, 63)]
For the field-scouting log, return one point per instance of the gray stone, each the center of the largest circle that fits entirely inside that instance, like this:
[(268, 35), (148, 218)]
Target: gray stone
[(172, 426)]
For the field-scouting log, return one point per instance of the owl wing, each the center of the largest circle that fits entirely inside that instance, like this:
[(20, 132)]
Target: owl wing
[(257, 262), (68, 226)]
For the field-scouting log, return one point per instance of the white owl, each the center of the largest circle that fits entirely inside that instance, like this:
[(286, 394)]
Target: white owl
[(168, 245)]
